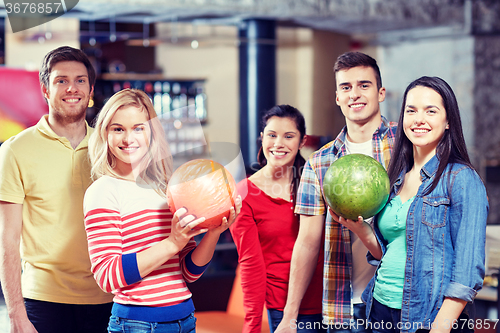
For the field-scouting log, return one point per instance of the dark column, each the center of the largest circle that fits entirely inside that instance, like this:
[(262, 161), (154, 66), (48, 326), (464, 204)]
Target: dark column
[(486, 32), (257, 82)]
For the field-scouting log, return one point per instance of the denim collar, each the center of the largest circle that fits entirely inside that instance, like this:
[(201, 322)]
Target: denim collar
[(430, 168), (427, 171)]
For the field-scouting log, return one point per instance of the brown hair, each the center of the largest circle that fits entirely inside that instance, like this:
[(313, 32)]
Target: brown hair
[(65, 53), (350, 60)]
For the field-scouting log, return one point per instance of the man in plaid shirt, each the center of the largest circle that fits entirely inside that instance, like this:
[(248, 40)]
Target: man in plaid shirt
[(346, 271)]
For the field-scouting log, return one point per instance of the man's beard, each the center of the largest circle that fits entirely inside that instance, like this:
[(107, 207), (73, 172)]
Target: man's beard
[(65, 117)]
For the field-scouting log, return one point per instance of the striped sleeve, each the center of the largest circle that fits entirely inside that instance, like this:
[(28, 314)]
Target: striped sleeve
[(105, 248), (190, 272)]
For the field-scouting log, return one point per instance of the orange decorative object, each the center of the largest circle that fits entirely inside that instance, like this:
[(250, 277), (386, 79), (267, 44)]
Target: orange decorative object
[(205, 188)]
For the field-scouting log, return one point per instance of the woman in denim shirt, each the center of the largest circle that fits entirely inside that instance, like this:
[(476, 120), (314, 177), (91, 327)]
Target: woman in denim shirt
[(429, 239)]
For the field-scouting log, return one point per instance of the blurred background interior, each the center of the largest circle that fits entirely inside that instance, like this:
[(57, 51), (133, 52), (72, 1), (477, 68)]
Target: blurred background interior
[(211, 67)]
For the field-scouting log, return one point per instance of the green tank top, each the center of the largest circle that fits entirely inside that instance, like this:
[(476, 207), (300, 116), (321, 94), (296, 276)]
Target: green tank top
[(391, 273)]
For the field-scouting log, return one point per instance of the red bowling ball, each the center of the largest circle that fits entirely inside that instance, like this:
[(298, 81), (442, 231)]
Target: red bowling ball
[(205, 188)]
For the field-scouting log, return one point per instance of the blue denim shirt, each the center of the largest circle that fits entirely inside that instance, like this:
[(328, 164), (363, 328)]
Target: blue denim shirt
[(445, 242)]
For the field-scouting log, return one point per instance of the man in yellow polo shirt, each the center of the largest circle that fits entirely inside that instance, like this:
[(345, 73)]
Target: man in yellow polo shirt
[(44, 174)]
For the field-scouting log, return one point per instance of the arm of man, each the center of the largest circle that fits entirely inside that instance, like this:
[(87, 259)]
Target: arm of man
[(304, 261), (11, 223)]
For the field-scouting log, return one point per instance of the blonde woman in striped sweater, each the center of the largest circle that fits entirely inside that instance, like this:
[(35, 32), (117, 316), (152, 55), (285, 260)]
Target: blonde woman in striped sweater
[(139, 250)]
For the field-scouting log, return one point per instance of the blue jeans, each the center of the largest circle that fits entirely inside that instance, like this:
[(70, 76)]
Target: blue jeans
[(49, 317), (388, 320), (384, 319), (186, 325), (358, 325), (305, 323)]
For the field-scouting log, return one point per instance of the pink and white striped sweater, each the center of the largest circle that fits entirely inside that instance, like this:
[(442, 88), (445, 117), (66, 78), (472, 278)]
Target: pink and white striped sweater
[(121, 219)]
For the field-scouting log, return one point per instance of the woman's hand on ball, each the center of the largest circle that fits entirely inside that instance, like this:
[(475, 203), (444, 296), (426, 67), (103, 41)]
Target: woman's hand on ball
[(363, 230), (233, 213), (359, 227), (182, 228)]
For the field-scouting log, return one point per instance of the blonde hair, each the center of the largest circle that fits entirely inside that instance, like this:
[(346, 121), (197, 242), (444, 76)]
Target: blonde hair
[(156, 166)]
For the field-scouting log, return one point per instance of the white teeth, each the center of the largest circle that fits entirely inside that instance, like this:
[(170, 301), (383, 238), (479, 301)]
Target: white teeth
[(277, 153), (357, 105), (419, 130), (128, 148), (72, 100)]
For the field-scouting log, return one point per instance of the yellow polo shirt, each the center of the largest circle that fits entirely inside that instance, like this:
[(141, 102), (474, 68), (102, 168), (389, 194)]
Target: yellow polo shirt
[(44, 173)]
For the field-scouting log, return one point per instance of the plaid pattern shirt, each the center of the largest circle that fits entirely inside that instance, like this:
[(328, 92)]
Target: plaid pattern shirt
[(337, 307)]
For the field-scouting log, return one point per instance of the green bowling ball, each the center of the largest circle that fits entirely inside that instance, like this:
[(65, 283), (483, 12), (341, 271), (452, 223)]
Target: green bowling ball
[(355, 185)]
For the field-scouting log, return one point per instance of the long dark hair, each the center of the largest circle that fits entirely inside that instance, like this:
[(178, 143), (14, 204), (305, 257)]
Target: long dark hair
[(286, 111), (450, 149)]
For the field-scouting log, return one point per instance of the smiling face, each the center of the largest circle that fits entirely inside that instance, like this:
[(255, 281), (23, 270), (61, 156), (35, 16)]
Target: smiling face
[(424, 120), (68, 92), (358, 96), (128, 139), (281, 141)]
